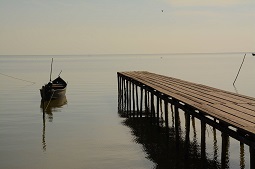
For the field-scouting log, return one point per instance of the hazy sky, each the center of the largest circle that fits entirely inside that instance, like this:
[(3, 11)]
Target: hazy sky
[(126, 26)]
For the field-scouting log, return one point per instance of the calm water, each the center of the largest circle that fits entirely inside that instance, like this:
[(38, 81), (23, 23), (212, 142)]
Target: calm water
[(84, 130)]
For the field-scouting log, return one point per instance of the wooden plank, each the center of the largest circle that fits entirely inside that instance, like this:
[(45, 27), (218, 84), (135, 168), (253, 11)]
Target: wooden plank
[(184, 91), (220, 115), (216, 97), (217, 93), (233, 97), (186, 82), (232, 113), (249, 106), (243, 108), (197, 85)]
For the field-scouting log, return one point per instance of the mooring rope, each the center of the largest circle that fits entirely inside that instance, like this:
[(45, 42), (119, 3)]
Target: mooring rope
[(239, 69), (17, 78)]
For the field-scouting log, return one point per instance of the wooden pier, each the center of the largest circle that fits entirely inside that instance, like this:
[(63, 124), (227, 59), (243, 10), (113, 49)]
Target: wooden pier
[(232, 114)]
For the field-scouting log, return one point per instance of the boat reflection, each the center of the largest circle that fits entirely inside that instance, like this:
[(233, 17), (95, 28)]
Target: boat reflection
[(48, 107), (51, 106)]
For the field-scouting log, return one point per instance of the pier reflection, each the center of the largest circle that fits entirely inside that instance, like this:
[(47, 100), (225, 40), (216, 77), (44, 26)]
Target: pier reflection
[(48, 107), (166, 149)]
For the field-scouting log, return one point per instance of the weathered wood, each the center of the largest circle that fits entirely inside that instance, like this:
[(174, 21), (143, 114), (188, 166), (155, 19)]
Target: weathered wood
[(230, 108)]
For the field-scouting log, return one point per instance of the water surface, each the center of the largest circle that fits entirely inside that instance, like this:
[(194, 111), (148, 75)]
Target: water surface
[(85, 130)]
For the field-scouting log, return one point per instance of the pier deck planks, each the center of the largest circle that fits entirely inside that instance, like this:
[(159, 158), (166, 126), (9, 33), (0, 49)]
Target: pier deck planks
[(234, 109)]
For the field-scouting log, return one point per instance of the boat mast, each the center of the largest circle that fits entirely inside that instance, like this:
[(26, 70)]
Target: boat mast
[(51, 69), (60, 73)]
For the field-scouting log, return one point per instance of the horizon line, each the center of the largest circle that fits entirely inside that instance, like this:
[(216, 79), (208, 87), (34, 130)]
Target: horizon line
[(97, 54)]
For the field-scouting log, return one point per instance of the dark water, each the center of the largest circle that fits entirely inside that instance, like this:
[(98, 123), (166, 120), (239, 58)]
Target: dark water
[(84, 130)]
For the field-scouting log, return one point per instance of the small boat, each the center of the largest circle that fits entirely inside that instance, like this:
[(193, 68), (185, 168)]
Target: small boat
[(54, 89)]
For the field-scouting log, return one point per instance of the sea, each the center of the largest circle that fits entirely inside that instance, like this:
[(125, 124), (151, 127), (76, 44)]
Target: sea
[(85, 131)]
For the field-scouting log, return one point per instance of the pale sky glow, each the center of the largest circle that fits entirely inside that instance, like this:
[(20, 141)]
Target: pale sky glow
[(121, 26)]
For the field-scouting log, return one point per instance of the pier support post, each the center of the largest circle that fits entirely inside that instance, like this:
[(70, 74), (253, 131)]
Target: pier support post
[(187, 139), (203, 144), (122, 93), (176, 119), (166, 112), (137, 104), (133, 94), (141, 103), (152, 107), (242, 159), (130, 99), (157, 110), (224, 151), (252, 157), (215, 147), (127, 98), (177, 134), (146, 101), (118, 78)]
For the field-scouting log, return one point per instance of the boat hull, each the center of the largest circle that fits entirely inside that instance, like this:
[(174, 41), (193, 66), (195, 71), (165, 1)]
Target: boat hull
[(53, 90), (52, 94)]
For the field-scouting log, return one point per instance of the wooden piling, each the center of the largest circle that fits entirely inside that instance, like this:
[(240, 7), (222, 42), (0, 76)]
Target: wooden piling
[(252, 157), (166, 112), (158, 110), (133, 102), (122, 93), (130, 99), (176, 117), (152, 107), (242, 160), (137, 103), (187, 137), (146, 101), (126, 97), (224, 150), (203, 144), (141, 103)]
